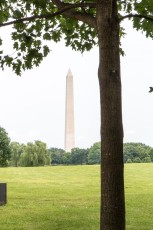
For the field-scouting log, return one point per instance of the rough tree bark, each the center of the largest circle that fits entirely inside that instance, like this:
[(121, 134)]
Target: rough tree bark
[(112, 170)]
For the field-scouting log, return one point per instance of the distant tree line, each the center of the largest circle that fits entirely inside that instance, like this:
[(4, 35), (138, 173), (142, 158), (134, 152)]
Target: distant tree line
[(77, 156), (137, 153), (37, 154), (133, 153)]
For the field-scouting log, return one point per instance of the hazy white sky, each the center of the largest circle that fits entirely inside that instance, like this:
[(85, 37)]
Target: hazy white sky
[(33, 106)]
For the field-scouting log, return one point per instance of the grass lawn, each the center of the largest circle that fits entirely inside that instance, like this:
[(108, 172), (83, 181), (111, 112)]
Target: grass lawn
[(67, 198)]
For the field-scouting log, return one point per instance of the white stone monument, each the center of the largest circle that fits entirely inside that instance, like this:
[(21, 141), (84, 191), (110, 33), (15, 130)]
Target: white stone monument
[(69, 113)]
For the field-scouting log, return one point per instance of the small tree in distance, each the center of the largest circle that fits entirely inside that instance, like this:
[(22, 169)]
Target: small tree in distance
[(83, 24), (35, 154), (78, 156), (16, 151), (94, 156), (5, 151)]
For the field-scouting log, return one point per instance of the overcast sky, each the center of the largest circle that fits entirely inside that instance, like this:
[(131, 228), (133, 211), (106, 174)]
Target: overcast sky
[(33, 105)]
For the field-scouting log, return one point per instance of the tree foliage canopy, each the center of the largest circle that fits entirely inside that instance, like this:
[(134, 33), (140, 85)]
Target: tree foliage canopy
[(94, 156), (137, 153), (36, 23), (5, 152), (35, 154), (16, 151)]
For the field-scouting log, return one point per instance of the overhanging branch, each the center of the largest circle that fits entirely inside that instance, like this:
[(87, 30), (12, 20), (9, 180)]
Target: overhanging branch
[(49, 15), (149, 18)]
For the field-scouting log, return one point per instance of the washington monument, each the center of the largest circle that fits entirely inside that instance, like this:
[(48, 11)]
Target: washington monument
[(69, 113)]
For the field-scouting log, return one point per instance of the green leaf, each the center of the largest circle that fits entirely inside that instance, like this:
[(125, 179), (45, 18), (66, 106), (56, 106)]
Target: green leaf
[(47, 36), (46, 51), (17, 14), (151, 89), (16, 45)]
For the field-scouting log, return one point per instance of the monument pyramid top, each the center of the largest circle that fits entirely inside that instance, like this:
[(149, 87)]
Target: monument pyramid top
[(69, 73)]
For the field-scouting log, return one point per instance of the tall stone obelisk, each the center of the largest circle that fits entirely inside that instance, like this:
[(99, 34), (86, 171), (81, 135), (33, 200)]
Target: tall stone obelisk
[(69, 113)]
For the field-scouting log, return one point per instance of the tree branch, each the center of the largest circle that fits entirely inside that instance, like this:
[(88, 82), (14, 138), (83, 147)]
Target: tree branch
[(149, 18), (86, 18), (62, 10)]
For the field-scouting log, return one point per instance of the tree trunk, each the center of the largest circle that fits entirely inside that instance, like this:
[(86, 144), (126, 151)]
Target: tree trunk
[(112, 170)]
